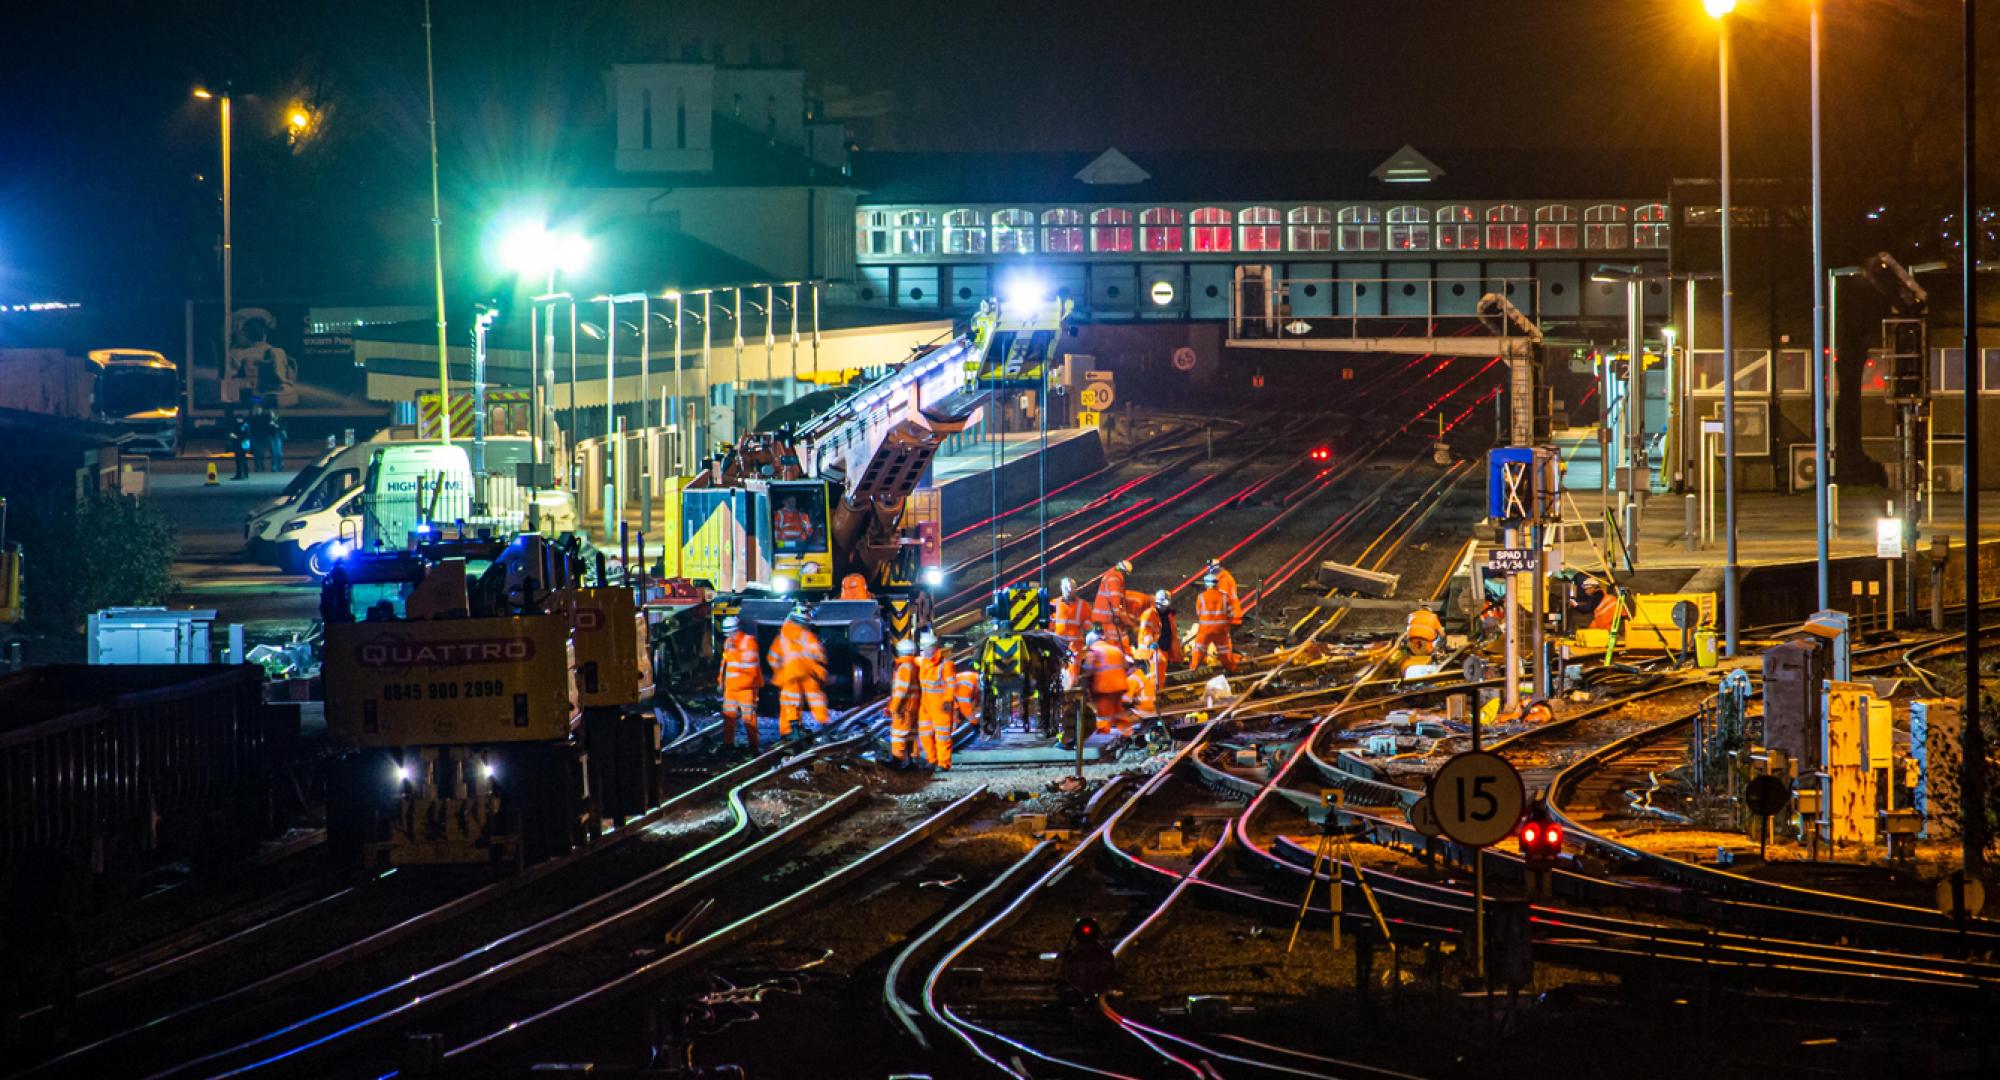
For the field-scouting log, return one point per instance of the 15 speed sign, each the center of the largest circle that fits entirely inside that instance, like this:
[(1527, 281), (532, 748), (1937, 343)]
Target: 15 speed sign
[(1477, 798)]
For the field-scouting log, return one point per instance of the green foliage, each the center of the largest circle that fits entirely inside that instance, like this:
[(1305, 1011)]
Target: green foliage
[(77, 557)]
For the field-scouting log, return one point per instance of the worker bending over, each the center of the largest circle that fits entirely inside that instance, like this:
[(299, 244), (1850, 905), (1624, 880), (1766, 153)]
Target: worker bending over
[(741, 676), (1107, 676), (1142, 686), (1158, 629), (798, 667), (1423, 631), (1211, 632), (904, 700), (939, 699)]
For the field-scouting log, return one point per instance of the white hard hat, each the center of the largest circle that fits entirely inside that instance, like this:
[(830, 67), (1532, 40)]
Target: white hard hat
[(1210, 578), (1163, 598), (729, 624), (905, 647), (928, 641), (1124, 566), (1068, 586), (1092, 638)]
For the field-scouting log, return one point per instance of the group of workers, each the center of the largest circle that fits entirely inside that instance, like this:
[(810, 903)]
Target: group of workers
[(797, 665), (1120, 648)]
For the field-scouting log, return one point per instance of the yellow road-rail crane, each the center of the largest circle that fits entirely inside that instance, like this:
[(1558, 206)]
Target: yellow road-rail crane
[(491, 705), (788, 513)]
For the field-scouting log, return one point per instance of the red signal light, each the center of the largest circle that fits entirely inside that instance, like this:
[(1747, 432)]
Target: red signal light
[(1555, 836), (1528, 836), (1322, 453)]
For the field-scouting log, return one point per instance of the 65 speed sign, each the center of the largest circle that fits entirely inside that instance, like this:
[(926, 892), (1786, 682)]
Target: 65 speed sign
[(1477, 798)]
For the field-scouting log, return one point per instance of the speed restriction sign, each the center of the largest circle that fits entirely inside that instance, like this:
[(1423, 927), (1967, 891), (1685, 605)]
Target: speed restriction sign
[(1184, 358), (1097, 395), (1477, 798), (1422, 817)]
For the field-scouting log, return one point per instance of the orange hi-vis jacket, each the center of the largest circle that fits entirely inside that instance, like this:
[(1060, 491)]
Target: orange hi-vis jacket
[(742, 669), (1140, 691), (903, 688), (1424, 626), (1147, 636), (1068, 619), (792, 526), (1226, 581), (797, 656), (1110, 605), (966, 690), (1212, 611), (1104, 668), (854, 587), (940, 689)]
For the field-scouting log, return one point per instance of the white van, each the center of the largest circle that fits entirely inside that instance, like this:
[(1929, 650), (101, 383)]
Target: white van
[(338, 469), (328, 517), (409, 487)]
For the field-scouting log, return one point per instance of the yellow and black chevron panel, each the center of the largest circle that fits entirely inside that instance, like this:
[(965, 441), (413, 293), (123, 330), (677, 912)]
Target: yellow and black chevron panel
[(902, 618), (1024, 607)]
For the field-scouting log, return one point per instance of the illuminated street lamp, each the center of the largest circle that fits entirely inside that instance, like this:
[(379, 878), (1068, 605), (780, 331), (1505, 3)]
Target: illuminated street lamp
[(1719, 10), (532, 250), (228, 252)]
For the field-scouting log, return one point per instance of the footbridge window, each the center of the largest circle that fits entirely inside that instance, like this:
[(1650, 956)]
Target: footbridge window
[(1409, 228), (964, 232), (1604, 228), (1259, 226), (916, 233), (1013, 231), (1111, 230), (1160, 229), (1211, 228), (871, 232), (1062, 231), (1360, 228), (1555, 228), (1651, 226), (1457, 228), (1311, 228), (1506, 228)]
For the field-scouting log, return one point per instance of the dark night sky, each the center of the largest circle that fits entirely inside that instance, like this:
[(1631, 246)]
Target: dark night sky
[(100, 142)]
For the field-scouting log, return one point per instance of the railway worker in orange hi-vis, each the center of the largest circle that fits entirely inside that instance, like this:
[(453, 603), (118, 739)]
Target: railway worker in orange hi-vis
[(792, 525), (966, 693), (855, 587), (1211, 632), (904, 700), (1109, 610), (1226, 581), (741, 676), (938, 682), (798, 667), (1142, 686), (1158, 629), (1107, 676), (1070, 617), (1423, 631)]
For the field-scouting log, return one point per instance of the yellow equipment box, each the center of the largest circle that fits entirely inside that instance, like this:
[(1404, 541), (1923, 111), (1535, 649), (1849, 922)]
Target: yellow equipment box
[(1651, 626), (435, 682), (613, 664)]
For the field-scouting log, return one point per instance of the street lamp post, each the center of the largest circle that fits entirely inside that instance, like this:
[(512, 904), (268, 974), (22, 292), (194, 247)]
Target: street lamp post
[(1820, 417), (1719, 10), (228, 252)]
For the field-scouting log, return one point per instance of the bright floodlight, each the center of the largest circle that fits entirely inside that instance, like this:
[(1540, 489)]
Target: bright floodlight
[(1024, 292), (533, 249), (933, 576), (1718, 8), (299, 119)]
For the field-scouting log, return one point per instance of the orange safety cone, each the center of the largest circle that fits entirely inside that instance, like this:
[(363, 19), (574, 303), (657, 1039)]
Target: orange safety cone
[(212, 478)]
